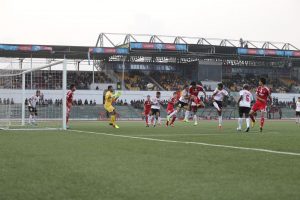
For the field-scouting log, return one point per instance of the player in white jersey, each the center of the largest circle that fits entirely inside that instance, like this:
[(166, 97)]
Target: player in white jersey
[(298, 111), (32, 103), (218, 96), (155, 108), (183, 102), (244, 104)]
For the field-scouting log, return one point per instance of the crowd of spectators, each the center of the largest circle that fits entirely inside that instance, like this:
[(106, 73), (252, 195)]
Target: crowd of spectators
[(58, 102), (169, 81), (121, 102), (53, 80), (284, 104), (7, 101), (45, 102), (134, 80), (236, 82), (86, 102), (83, 79)]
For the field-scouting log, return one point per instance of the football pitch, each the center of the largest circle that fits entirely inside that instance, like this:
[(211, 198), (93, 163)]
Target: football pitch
[(94, 161)]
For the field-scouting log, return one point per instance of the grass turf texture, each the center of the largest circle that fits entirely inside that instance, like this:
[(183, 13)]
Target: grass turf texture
[(79, 165)]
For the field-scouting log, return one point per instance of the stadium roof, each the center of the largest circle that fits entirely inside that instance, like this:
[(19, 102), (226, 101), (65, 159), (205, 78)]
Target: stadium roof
[(155, 48)]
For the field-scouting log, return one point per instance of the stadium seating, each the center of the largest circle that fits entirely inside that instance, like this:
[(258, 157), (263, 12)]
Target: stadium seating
[(136, 80), (169, 81)]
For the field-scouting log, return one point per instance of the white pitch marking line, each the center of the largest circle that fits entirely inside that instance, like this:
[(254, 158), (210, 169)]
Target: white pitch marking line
[(153, 135), (186, 142)]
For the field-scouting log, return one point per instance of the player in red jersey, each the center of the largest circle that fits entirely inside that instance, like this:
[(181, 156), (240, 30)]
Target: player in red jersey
[(196, 103), (147, 110), (194, 91), (170, 108), (262, 95), (70, 95)]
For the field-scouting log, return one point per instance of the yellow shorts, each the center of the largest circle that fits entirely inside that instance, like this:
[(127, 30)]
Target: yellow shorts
[(109, 108)]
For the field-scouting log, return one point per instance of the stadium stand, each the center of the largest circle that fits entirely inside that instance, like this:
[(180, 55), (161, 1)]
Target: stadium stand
[(52, 80), (162, 80), (169, 81), (279, 85)]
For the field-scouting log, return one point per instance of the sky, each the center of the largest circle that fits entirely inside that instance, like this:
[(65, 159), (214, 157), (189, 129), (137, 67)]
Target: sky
[(74, 22)]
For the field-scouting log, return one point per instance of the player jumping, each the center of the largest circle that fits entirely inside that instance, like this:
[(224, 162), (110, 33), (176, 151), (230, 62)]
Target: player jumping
[(218, 96), (147, 110), (32, 103), (244, 103), (195, 101), (262, 95), (170, 108), (155, 108), (70, 95), (110, 97), (182, 103)]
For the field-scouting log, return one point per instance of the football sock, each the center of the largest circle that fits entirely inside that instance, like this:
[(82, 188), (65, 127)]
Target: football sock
[(173, 119), (30, 118), (195, 118), (220, 120), (67, 119), (252, 118), (262, 121), (248, 122), (159, 120), (240, 122), (113, 119), (147, 116), (187, 113)]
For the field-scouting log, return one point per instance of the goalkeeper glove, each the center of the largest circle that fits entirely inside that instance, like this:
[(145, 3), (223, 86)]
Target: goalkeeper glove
[(117, 95)]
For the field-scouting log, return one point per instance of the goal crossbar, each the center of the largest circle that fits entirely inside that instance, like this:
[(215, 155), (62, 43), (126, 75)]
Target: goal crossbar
[(33, 69)]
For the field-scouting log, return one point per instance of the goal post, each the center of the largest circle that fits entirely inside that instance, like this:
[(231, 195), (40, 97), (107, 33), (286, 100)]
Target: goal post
[(22, 108)]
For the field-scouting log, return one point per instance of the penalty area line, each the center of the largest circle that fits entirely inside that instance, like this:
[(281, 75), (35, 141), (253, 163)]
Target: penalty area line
[(187, 142), (163, 135)]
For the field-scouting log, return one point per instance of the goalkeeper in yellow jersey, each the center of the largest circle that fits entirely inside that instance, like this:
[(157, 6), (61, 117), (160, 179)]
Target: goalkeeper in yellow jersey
[(110, 97)]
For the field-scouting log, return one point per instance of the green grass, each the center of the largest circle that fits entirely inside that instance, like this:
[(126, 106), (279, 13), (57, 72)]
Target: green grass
[(82, 165)]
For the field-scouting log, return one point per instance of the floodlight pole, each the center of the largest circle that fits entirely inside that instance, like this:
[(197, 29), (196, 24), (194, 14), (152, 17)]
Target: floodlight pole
[(123, 71)]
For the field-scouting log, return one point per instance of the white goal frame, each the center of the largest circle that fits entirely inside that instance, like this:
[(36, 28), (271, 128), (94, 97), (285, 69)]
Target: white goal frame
[(63, 95)]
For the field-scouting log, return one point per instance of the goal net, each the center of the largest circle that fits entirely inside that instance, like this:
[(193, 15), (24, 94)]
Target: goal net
[(33, 98)]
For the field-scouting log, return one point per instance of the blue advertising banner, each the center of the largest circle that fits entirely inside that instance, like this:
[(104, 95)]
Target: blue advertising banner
[(158, 46), (268, 52), (108, 50), (26, 48)]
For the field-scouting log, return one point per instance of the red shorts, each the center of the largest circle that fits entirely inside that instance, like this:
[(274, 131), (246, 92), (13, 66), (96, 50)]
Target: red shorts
[(196, 101), (170, 111), (262, 106), (147, 112), (194, 108)]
